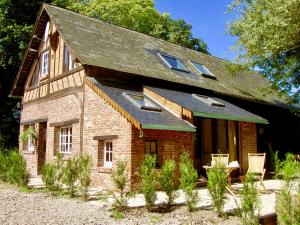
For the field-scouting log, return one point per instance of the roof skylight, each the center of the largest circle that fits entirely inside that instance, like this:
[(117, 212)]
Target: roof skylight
[(208, 100), (172, 62), (142, 102), (202, 69)]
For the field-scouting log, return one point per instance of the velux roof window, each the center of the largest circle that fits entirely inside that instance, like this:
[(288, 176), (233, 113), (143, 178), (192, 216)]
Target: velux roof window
[(208, 100), (142, 102), (203, 70), (172, 62)]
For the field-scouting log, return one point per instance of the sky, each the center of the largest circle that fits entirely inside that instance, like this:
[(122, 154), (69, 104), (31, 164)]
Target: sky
[(209, 22)]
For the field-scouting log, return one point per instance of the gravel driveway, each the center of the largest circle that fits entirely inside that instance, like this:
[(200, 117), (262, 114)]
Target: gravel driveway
[(19, 208)]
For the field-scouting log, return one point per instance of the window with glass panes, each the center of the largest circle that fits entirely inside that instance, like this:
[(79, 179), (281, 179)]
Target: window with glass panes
[(65, 139), (108, 154), (151, 147)]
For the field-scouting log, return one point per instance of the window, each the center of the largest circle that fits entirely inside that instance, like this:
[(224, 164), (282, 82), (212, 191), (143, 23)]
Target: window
[(173, 62), (208, 101), (107, 154), (45, 63), (202, 69), (65, 139), (69, 63), (30, 146), (142, 102), (151, 148), (46, 32)]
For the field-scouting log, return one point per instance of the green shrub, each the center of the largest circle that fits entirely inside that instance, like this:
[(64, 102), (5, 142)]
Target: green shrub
[(71, 173), (166, 180), (120, 179), (149, 180), (249, 202), (85, 166), (52, 174), (30, 133), (217, 181), (287, 207), (117, 214), (17, 172), (188, 180), (4, 166)]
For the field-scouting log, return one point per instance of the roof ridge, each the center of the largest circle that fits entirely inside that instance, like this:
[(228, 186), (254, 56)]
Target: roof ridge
[(131, 30)]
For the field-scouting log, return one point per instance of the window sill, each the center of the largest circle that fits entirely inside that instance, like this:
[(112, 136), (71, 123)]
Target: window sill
[(103, 169), (44, 78), (27, 152)]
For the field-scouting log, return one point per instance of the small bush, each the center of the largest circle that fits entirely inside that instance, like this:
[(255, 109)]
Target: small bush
[(17, 171), (288, 207), (166, 180), (85, 166), (4, 166), (71, 175), (120, 179), (249, 202), (149, 180), (118, 215), (52, 174), (217, 181), (188, 180)]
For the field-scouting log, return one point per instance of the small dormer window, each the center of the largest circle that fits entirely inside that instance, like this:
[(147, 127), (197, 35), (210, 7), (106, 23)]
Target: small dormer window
[(45, 64), (208, 100), (172, 62), (142, 102), (203, 70)]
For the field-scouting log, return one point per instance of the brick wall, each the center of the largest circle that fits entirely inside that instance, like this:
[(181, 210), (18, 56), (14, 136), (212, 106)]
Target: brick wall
[(56, 109), (248, 143)]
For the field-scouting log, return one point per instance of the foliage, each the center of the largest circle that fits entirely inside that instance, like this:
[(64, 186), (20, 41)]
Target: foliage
[(217, 181), (4, 165), (166, 180), (85, 166), (120, 179), (249, 202), (117, 214), (71, 175), (30, 133), (287, 207), (17, 171), (52, 174), (268, 36), (188, 180), (141, 16), (149, 180)]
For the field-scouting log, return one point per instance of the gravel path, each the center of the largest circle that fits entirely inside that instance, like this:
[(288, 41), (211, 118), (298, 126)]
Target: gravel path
[(19, 208)]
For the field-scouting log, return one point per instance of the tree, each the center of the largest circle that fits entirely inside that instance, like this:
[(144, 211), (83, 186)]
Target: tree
[(268, 36)]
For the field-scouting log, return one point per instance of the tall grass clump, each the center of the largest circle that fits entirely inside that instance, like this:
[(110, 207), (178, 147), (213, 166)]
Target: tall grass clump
[(85, 166), (217, 181), (52, 174), (120, 179), (188, 180), (287, 205), (250, 203), (167, 180), (4, 165), (149, 178)]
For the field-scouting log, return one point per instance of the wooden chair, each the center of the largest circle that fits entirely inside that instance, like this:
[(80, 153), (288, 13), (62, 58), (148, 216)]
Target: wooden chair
[(219, 158), (256, 162)]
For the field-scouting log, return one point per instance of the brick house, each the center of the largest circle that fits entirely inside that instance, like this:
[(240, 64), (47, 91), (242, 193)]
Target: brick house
[(92, 87)]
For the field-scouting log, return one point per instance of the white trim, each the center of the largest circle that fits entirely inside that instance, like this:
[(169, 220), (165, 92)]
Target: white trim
[(108, 150), (46, 34), (67, 143)]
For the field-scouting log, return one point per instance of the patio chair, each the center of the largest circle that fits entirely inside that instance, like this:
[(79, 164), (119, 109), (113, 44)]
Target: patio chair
[(219, 158), (256, 163)]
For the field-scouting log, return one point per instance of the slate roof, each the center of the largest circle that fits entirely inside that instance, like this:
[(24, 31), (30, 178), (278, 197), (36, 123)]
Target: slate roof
[(163, 120), (102, 44), (200, 108)]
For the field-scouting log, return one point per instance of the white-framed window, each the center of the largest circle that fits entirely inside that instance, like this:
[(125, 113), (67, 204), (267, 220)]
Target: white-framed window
[(173, 62), (69, 63), (107, 154), (209, 101), (30, 146), (142, 102), (45, 63), (65, 139), (202, 69)]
